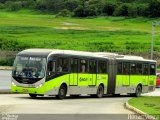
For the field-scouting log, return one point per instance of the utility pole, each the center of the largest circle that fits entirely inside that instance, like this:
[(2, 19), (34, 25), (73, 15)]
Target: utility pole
[(154, 24), (152, 40)]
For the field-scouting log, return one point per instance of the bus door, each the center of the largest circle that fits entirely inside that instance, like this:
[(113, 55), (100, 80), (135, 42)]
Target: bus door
[(126, 74), (145, 74), (74, 72), (92, 76), (83, 72), (152, 76)]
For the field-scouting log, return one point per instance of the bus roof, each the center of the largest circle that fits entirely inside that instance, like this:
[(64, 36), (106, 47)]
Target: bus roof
[(107, 55)]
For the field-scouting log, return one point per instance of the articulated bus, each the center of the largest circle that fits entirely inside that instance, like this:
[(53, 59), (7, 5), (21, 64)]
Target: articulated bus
[(40, 72)]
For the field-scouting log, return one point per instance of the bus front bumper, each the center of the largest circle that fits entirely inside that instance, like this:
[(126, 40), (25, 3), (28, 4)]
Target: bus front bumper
[(38, 91)]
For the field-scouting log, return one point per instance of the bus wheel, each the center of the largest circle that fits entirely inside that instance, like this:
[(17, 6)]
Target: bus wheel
[(116, 95), (32, 95), (62, 92), (138, 92), (100, 91), (75, 96)]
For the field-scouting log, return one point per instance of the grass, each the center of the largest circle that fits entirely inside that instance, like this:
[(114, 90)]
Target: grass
[(149, 105), (115, 34)]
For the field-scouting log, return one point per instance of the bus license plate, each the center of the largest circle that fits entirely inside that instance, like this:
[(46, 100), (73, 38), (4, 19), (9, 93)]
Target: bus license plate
[(25, 91)]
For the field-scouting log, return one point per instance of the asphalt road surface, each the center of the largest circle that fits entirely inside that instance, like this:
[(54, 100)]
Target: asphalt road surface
[(23, 104)]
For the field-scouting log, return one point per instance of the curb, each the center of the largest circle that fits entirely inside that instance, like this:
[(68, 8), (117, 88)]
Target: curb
[(5, 68), (139, 112), (5, 91)]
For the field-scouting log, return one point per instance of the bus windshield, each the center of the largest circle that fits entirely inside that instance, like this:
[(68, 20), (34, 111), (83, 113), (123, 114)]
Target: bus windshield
[(29, 67)]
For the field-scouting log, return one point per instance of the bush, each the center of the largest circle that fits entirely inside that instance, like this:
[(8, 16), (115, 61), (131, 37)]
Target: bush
[(121, 10), (3, 1), (142, 9), (64, 13), (71, 5), (13, 6), (41, 5), (7, 62), (154, 8), (2, 6), (12, 45), (90, 11), (79, 11), (109, 8), (132, 10)]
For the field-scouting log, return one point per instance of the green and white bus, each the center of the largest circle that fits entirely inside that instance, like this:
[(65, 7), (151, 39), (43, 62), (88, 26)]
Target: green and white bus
[(40, 72)]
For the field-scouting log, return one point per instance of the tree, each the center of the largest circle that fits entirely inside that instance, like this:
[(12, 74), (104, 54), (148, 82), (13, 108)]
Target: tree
[(109, 8), (154, 8), (121, 10)]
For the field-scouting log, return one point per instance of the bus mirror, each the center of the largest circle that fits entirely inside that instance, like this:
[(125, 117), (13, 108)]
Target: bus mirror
[(49, 73)]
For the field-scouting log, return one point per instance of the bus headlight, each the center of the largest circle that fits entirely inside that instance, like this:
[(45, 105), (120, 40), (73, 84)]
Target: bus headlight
[(13, 84), (39, 86)]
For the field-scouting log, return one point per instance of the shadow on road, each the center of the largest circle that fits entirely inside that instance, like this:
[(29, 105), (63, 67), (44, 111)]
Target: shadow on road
[(73, 98)]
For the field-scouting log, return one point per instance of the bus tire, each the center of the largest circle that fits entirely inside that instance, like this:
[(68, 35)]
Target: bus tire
[(116, 95), (138, 92), (32, 95), (100, 91), (74, 96), (62, 92)]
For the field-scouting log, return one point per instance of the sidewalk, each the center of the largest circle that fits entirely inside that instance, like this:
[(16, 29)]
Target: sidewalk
[(154, 93), (5, 91), (5, 68)]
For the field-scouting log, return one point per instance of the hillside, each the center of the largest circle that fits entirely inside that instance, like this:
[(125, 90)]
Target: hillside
[(28, 29)]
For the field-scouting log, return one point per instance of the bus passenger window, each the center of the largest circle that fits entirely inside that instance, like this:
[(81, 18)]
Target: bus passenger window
[(119, 68), (152, 69), (83, 66), (145, 69), (139, 69), (102, 67), (51, 66), (62, 65), (92, 66), (133, 68), (126, 68), (74, 65)]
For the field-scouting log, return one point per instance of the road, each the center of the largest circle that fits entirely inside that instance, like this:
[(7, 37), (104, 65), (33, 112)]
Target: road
[(23, 104)]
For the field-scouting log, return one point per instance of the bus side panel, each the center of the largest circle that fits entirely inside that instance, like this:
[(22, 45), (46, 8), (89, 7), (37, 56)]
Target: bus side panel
[(152, 82), (119, 80), (73, 80)]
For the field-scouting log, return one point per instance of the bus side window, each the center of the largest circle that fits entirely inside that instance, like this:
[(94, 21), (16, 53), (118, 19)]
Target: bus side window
[(102, 67), (145, 69), (126, 68), (133, 68), (62, 65), (83, 66), (52, 66), (139, 69), (152, 69), (92, 66), (119, 68), (74, 65)]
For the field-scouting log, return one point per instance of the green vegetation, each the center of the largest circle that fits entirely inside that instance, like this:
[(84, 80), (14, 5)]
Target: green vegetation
[(26, 29), (149, 105), (84, 8), (33, 29)]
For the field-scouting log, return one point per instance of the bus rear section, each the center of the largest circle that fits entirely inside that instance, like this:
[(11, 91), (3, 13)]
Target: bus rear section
[(135, 77)]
